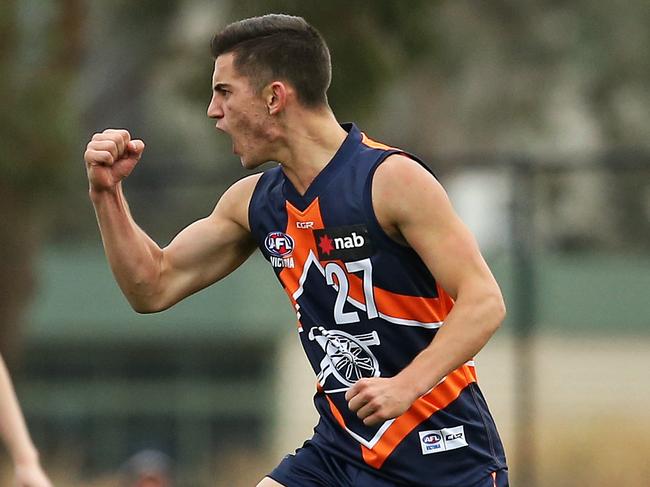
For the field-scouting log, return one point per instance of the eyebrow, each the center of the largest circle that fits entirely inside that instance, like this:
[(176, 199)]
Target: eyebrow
[(220, 86)]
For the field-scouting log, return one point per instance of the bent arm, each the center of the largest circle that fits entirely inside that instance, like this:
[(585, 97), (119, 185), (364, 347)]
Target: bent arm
[(412, 206), (152, 278)]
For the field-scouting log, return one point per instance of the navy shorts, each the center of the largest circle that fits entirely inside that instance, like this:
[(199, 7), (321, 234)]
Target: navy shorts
[(312, 467)]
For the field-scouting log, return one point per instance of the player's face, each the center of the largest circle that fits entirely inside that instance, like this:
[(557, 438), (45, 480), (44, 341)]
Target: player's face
[(241, 113)]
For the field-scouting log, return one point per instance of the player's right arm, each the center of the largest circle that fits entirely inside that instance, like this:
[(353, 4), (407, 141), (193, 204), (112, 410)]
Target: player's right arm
[(153, 278)]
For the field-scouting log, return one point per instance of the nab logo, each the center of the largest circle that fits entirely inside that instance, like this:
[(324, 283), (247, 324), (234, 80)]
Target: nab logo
[(350, 242), (345, 243)]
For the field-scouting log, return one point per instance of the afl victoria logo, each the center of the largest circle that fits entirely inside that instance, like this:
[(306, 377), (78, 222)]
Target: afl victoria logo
[(431, 439), (279, 244), (436, 441)]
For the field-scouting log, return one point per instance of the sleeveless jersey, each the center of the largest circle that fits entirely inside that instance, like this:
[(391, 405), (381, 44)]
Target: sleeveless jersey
[(366, 306)]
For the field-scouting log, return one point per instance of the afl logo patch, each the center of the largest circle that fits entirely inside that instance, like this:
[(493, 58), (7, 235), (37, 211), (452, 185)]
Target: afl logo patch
[(431, 439), (279, 244)]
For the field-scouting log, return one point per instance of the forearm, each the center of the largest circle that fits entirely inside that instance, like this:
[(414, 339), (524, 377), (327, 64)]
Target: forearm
[(467, 328), (134, 257), (12, 424)]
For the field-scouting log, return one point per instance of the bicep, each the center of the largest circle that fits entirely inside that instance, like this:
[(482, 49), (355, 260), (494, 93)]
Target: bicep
[(208, 249), (409, 199), (449, 250)]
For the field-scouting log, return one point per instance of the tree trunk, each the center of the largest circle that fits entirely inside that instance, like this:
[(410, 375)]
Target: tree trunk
[(19, 239), (34, 138)]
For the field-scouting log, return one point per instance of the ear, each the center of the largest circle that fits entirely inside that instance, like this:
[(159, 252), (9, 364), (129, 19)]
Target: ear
[(275, 95)]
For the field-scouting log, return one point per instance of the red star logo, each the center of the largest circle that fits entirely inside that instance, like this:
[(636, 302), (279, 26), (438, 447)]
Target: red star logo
[(325, 244)]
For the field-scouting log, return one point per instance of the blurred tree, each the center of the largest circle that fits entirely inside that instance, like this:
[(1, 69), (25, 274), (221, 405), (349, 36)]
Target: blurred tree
[(39, 49)]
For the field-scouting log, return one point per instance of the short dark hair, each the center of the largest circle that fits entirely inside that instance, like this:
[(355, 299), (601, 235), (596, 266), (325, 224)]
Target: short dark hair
[(278, 46)]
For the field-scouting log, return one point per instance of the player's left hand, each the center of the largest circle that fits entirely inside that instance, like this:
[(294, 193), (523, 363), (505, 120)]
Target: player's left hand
[(378, 399)]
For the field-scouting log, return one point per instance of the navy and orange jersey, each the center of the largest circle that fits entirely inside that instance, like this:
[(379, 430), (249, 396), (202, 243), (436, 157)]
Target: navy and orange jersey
[(366, 306)]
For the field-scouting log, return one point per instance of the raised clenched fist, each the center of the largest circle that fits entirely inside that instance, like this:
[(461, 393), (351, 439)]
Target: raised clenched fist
[(110, 157)]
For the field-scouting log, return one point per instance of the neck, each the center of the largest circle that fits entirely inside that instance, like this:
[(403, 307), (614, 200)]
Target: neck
[(310, 142)]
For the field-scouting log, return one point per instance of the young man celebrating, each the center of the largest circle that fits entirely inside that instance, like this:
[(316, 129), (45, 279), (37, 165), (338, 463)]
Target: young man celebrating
[(392, 296)]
